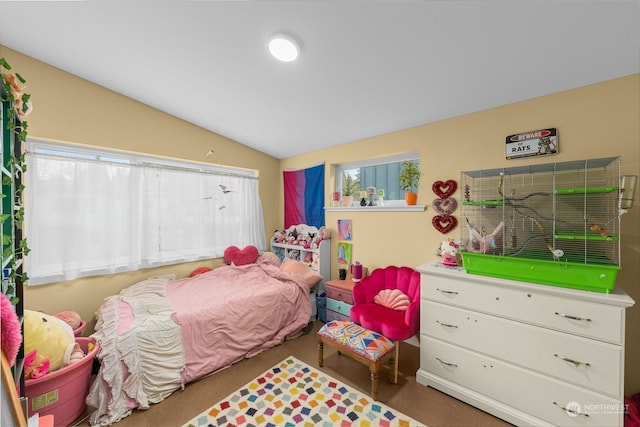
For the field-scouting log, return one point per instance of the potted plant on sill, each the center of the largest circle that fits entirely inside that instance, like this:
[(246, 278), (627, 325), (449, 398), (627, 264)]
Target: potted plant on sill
[(409, 179), (349, 188), (347, 199)]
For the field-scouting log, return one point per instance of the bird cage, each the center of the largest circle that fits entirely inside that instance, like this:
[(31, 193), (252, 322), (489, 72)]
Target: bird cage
[(555, 224)]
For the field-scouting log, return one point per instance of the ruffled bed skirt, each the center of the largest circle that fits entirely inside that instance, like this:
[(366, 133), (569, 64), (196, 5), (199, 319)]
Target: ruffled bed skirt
[(136, 357)]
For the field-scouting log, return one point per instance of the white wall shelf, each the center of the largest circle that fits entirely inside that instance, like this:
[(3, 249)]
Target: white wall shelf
[(416, 208)]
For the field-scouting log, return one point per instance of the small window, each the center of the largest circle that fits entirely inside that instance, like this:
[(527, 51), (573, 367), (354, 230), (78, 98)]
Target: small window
[(354, 178)]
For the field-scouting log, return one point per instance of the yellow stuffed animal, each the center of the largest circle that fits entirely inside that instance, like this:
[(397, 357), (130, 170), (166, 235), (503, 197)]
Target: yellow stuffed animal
[(50, 338)]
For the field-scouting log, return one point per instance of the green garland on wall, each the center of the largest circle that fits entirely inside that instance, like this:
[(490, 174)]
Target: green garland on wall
[(16, 105)]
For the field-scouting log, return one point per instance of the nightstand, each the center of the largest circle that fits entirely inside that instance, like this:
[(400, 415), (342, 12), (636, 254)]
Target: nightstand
[(339, 299)]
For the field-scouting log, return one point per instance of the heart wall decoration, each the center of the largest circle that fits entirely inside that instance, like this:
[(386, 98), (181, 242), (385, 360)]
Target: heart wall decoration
[(444, 205), (444, 223), (444, 189)]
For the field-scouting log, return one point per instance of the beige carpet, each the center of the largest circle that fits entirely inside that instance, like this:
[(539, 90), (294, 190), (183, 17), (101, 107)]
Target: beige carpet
[(421, 403)]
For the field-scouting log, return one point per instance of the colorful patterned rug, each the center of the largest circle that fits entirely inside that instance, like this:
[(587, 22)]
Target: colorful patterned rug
[(295, 394)]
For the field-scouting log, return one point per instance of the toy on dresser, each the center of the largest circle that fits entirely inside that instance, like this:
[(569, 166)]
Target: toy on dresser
[(450, 253)]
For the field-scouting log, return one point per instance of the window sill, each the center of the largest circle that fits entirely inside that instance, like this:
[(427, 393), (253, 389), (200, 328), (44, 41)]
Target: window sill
[(416, 208)]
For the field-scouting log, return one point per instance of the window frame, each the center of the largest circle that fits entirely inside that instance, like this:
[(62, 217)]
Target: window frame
[(67, 152), (388, 203), (71, 150)]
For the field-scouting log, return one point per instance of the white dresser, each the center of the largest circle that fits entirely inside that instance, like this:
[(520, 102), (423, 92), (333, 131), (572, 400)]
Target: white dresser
[(527, 353)]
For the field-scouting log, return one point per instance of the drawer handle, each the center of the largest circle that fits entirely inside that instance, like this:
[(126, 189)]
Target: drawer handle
[(453, 365), (568, 316), (570, 410), (447, 292), (575, 362), (446, 324)]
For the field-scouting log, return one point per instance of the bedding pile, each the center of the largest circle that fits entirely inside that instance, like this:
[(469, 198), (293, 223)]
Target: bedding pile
[(158, 335)]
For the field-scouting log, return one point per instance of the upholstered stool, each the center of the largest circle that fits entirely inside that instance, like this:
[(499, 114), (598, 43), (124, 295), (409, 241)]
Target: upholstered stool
[(363, 345)]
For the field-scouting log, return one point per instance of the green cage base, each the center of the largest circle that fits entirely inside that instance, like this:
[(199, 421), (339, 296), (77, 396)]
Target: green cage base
[(587, 277)]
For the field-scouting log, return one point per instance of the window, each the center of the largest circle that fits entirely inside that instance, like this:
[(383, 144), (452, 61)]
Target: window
[(353, 178), (91, 212)]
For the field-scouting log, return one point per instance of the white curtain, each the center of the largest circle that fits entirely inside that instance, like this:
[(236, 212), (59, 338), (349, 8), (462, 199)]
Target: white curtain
[(85, 217)]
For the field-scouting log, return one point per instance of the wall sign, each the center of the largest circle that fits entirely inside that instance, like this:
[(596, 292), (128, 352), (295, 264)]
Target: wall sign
[(533, 143)]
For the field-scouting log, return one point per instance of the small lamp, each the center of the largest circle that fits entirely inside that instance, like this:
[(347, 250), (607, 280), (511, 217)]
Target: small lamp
[(363, 198)]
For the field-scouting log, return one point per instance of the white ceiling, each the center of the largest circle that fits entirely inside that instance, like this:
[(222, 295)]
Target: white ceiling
[(367, 67)]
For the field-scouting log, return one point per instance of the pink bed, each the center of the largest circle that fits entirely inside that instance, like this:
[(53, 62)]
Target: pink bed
[(158, 335)]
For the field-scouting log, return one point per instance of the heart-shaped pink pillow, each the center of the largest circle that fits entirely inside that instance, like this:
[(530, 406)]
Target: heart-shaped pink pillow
[(236, 256)]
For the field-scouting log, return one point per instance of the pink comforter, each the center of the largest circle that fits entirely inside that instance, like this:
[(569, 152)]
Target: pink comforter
[(159, 334), (232, 313)]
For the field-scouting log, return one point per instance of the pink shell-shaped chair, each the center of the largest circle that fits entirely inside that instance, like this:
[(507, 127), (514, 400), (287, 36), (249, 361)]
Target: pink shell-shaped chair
[(395, 324)]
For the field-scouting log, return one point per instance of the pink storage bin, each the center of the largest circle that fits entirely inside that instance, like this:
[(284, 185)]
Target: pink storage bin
[(78, 331), (63, 393)]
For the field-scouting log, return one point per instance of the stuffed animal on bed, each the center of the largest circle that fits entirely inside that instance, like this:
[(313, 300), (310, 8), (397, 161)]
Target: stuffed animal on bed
[(49, 344), (198, 271)]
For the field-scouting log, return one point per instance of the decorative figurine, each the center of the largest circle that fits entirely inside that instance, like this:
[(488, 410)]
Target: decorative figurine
[(450, 253), (371, 191)]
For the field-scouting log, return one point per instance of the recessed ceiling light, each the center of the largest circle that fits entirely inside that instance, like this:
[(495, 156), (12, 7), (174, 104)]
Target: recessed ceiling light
[(284, 47)]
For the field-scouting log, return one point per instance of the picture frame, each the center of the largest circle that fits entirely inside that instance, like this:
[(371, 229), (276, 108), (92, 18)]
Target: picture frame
[(344, 229), (344, 253)]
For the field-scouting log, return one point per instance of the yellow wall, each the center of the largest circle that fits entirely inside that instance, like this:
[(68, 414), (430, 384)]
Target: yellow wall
[(599, 120), (70, 109)]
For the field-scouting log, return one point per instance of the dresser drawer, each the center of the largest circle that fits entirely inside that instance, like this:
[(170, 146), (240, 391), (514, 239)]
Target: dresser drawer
[(586, 362), (339, 306), (334, 315), (340, 294), (530, 392), (560, 312)]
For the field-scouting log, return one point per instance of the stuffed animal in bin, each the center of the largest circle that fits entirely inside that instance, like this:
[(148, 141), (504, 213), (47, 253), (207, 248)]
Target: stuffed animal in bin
[(49, 344), (71, 318)]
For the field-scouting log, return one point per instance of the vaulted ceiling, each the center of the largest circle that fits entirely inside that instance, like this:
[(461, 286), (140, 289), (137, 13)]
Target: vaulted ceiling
[(366, 67)]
